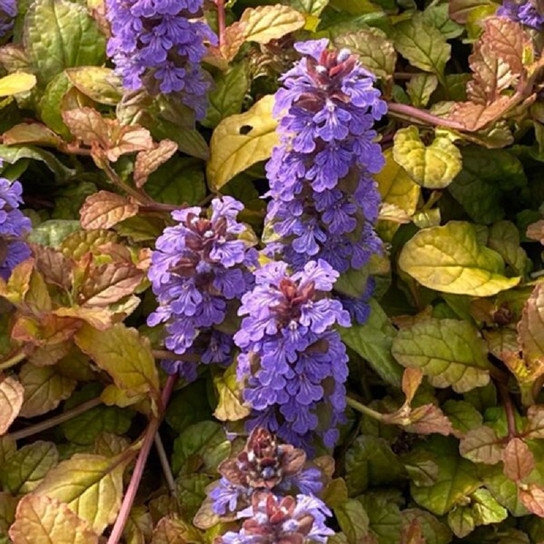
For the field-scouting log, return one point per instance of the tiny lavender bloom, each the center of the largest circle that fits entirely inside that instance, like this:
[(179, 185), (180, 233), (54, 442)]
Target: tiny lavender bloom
[(198, 266), (294, 361), (524, 12), (160, 44), (13, 227), (324, 200), (8, 12)]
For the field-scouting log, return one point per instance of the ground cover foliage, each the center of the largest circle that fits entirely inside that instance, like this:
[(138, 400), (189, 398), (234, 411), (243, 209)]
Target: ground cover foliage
[(316, 219)]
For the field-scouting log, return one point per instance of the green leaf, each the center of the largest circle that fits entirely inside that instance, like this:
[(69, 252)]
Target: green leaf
[(188, 406), (43, 519), (44, 387), (482, 445), (201, 447), (8, 505), (450, 259), (52, 233), (240, 141), (433, 166), (91, 486), (85, 428), (352, 283), (448, 351), (370, 461), (265, 23), (463, 416), (422, 45), (484, 184), (438, 15), (311, 7), (434, 531), (18, 82), (456, 478), (372, 341), (353, 520), (26, 468), (124, 355), (420, 88), (50, 105), (384, 516), (228, 94), (374, 50), (191, 491), (59, 34), (504, 239)]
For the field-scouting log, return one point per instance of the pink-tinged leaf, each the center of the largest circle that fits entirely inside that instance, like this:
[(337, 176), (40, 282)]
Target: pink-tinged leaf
[(31, 133), (531, 327), (109, 283), (11, 400), (44, 330), (42, 520), (535, 422), (535, 231), (429, 419), (172, 530), (54, 267), (148, 161), (411, 380), (532, 497), (518, 460), (88, 126), (129, 139), (482, 445), (103, 210), (413, 533)]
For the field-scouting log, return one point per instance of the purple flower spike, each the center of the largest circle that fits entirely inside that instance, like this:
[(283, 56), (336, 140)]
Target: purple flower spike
[(324, 200), (293, 359), (13, 227), (159, 45), (198, 266)]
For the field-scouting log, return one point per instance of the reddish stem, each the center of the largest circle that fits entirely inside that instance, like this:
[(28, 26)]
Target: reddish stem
[(132, 489), (416, 115), (221, 21), (509, 409)]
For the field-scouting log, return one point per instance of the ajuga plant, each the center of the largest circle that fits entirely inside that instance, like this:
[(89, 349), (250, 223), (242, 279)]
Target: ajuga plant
[(272, 490), (293, 359), (199, 266), (191, 349), (158, 45)]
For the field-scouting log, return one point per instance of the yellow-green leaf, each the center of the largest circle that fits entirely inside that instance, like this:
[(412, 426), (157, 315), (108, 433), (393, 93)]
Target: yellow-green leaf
[(434, 166), (531, 327), (11, 400), (123, 354), (240, 141), (230, 406), (44, 520), (450, 259), (98, 83), (448, 351), (18, 82), (266, 23), (91, 486)]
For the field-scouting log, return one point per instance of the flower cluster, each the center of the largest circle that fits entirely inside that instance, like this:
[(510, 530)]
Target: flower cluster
[(294, 361), (8, 12), (13, 227), (324, 200), (270, 485), (525, 12), (159, 43), (199, 265)]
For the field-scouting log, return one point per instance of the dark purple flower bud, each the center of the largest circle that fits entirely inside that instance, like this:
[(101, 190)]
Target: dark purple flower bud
[(198, 266), (14, 226), (159, 45)]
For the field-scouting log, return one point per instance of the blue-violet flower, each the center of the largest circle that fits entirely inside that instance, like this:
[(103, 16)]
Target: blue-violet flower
[(160, 43), (324, 200), (13, 227), (197, 268), (8, 12), (524, 12), (293, 359)]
